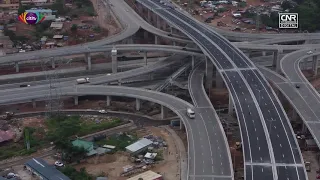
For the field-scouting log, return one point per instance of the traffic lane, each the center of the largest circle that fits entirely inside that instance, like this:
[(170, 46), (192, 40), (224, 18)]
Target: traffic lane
[(248, 172), (279, 138), (197, 90), (284, 121), (220, 155), (224, 45), (272, 76), (302, 173), (287, 172), (249, 120), (301, 105), (263, 173), (221, 161), (258, 143), (203, 157), (308, 94), (219, 59)]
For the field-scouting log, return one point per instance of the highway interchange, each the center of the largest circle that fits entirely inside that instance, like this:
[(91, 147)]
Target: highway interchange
[(269, 146)]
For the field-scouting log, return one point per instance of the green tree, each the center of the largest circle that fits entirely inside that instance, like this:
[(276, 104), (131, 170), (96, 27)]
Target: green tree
[(74, 28), (286, 5)]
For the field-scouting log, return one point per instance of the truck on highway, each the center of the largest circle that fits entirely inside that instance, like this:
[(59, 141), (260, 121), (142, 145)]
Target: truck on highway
[(83, 80)]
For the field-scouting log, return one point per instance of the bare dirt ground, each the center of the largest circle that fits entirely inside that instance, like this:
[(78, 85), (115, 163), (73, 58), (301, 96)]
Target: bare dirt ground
[(102, 12), (112, 165)]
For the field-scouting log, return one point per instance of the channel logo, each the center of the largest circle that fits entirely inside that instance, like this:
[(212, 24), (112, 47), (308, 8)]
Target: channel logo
[(31, 17)]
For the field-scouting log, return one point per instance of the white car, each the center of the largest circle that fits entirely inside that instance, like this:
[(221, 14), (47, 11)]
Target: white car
[(102, 111), (191, 114), (58, 163), (108, 74), (309, 52)]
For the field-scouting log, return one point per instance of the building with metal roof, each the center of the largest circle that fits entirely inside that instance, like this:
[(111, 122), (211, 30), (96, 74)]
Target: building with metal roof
[(139, 146), (45, 171), (87, 145), (148, 175)]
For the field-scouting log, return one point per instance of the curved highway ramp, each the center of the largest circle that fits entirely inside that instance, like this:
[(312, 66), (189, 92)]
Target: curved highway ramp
[(219, 148), (270, 149)]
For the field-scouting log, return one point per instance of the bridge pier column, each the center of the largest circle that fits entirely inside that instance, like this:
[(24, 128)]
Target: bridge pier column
[(171, 30), (145, 58), (164, 25), (108, 100), (173, 43), (149, 15), (209, 74), (129, 40), (164, 112), (294, 115), (230, 107), (119, 82), (264, 53), (315, 65), (304, 129), (34, 105), (53, 64), (158, 22), (138, 104), (192, 61), (76, 100), (181, 125), (219, 81), (114, 60), (88, 57), (247, 53), (276, 61), (17, 67), (155, 39), (145, 34)]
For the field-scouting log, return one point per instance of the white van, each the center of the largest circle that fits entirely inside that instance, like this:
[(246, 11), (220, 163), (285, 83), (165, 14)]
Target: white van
[(190, 113)]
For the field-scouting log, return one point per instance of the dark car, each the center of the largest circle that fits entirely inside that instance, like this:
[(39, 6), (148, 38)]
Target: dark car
[(24, 85), (170, 35), (297, 86)]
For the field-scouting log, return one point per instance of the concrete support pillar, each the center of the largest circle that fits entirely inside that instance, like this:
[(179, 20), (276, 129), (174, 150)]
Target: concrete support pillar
[(114, 61), (145, 58), (230, 107), (164, 25), (306, 61), (108, 100), (53, 64), (17, 67), (76, 100), (294, 115), (34, 105), (315, 65), (158, 22), (171, 30), (247, 53), (139, 6), (219, 81), (304, 129), (192, 61), (209, 74), (173, 43), (155, 39), (130, 40), (149, 16), (145, 34), (264, 53), (164, 112), (88, 57), (138, 104), (276, 61), (181, 125)]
